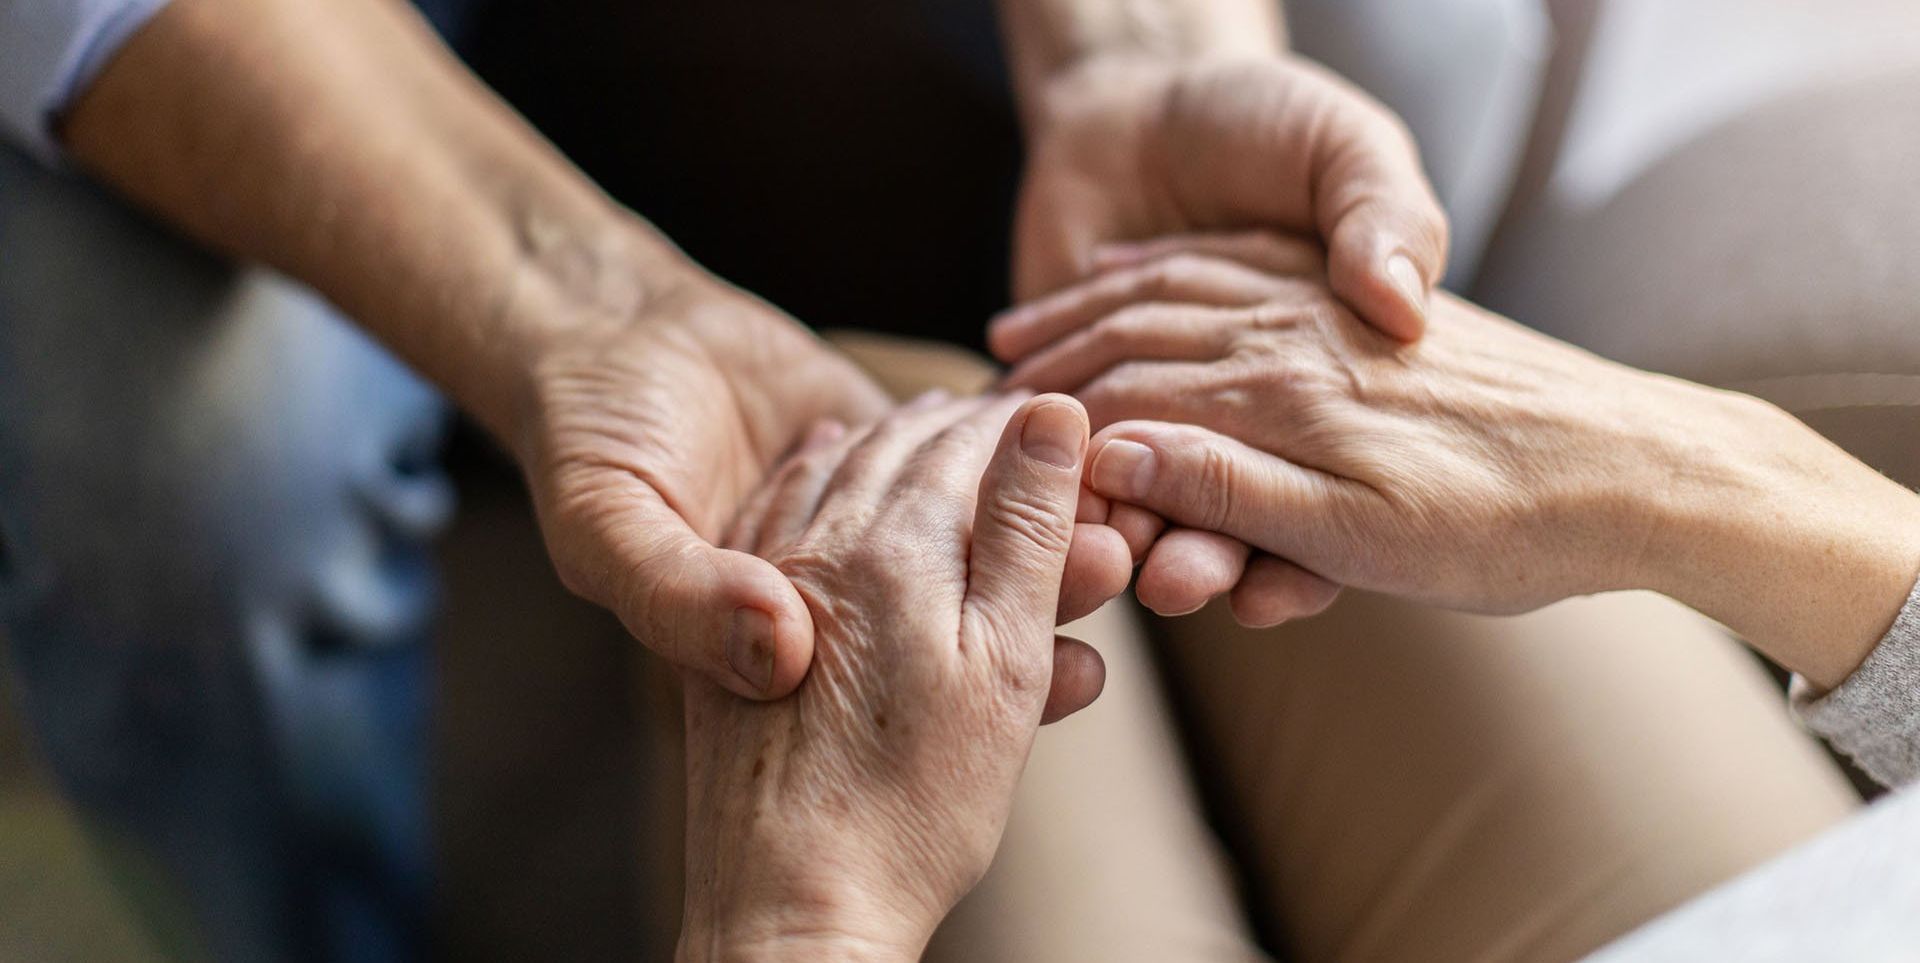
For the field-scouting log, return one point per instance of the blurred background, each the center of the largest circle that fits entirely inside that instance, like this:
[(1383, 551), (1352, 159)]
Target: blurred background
[(845, 158)]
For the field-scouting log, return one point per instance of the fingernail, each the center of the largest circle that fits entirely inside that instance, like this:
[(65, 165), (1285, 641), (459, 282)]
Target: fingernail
[(1406, 279), (1052, 435), (750, 647), (1124, 469)]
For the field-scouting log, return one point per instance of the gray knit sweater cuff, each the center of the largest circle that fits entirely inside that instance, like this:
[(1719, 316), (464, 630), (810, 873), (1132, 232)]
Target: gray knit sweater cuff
[(1874, 716)]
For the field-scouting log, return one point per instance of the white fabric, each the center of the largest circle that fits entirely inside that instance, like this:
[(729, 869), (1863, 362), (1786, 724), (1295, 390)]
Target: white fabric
[(49, 51), (1465, 75), (1852, 893), (1661, 71)]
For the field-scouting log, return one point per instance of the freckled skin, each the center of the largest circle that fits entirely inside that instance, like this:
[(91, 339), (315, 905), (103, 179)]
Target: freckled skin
[(883, 782)]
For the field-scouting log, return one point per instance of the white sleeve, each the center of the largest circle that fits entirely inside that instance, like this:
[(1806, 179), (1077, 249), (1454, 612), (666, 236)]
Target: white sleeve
[(49, 51)]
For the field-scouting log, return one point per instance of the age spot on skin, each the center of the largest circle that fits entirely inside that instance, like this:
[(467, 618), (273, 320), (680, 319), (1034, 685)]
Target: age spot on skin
[(880, 719), (759, 766)]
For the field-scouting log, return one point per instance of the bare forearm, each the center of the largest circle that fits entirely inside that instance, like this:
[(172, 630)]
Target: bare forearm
[(1804, 551), (1048, 37), (339, 141)]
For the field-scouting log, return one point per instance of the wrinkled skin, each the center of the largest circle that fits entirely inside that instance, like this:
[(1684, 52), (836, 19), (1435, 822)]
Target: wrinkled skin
[(646, 436), (1132, 150), (1475, 469), (1487, 467), (1135, 156), (852, 815)]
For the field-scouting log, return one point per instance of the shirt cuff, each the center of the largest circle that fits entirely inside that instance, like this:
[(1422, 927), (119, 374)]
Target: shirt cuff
[(1874, 716), (50, 50)]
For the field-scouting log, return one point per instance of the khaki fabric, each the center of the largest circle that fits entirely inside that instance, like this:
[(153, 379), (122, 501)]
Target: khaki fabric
[(1395, 782)]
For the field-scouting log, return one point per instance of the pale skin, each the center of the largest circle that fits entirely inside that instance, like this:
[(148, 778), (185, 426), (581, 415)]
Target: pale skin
[(846, 821), (644, 398), (1487, 467)]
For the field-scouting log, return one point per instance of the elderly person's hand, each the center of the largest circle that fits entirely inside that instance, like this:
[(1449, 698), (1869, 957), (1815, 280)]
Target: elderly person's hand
[(1487, 467), (845, 821), (1131, 151), (644, 432), (643, 435)]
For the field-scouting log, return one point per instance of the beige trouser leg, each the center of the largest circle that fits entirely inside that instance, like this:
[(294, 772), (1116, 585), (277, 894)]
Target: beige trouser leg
[(1107, 858), (1410, 784), (1400, 783)]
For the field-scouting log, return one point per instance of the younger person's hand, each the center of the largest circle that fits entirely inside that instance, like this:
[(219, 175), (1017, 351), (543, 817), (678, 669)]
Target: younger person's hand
[(1127, 149)]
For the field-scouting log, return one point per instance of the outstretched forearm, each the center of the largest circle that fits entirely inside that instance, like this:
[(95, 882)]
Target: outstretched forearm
[(340, 142)]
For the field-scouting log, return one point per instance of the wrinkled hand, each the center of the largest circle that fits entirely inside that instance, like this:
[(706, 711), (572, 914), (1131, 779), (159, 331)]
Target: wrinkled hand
[(846, 821), (1143, 306), (1132, 149), (1473, 469), (1131, 157), (645, 437), (1487, 467)]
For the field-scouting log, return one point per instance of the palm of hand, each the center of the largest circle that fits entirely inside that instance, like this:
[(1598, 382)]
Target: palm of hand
[(648, 436)]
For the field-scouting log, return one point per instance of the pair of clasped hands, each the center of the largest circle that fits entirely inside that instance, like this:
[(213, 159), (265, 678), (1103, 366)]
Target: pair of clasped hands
[(905, 571), (1237, 297), (1225, 277)]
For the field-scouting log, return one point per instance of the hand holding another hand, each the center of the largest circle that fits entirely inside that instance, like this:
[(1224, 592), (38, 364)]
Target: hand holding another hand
[(1481, 468), (1486, 467), (847, 819), (644, 434), (1131, 148)]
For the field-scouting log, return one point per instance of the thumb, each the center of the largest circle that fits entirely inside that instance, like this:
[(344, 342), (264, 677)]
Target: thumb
[(1386, 232), (1384, 258), (726, 614), (1023, 526)]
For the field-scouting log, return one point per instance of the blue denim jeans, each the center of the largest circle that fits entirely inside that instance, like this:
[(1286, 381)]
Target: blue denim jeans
[(216, 499)]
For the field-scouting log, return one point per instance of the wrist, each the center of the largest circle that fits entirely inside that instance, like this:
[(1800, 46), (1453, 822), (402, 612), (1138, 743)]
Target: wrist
[(766, 881), (790, 939), (1803, 551), (1052, 48), (570, 285), (759, 915)]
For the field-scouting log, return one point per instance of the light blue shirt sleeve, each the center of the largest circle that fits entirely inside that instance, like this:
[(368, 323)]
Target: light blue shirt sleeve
[(50, 51)]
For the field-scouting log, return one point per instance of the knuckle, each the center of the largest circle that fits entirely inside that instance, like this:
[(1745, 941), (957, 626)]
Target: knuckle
[(1127, 325), (1025, 677), (1215, 477), (1048, 531), (880, 562), (1180, 272), (1156, 280), (1274, 316)]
